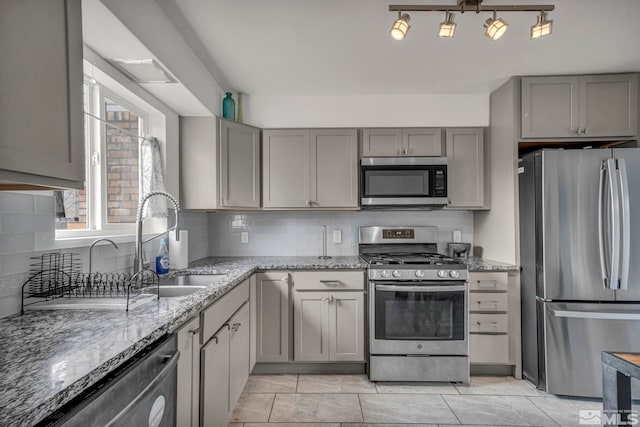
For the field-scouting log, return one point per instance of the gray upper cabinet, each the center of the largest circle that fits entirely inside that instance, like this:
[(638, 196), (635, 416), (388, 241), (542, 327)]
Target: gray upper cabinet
[(395, 142), (310, 168), (285, 180), (580, 106), (239, 165), (219, 164), (465, 168), (381, 142), (334, 168), (41, 113)]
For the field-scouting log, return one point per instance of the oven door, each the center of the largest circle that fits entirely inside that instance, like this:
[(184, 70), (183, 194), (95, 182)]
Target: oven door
[(403, 184), (418, 318)]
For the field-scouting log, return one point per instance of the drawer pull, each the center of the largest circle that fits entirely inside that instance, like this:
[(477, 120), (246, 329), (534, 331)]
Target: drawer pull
[(487, 284), (195, 331), (487, 323), (235, 327), (490, 304), (331, 282)]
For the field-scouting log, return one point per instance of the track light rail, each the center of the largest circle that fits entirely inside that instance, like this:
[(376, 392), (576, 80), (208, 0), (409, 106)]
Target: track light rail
[(471, 8)]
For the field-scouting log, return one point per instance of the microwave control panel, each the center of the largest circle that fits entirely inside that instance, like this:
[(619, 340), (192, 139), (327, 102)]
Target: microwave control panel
[(440, 183)]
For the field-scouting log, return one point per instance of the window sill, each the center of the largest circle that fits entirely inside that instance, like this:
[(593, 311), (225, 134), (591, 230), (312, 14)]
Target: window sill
[(84, 241)]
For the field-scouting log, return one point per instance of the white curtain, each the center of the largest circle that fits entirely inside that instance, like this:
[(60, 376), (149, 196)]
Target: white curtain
[(152, 178)]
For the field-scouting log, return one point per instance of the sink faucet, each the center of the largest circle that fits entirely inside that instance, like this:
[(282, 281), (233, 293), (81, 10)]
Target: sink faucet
[(138, 263), (91, 253)]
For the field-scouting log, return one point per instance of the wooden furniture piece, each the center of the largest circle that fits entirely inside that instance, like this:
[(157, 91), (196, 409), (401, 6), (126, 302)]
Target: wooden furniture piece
[(617, 371)]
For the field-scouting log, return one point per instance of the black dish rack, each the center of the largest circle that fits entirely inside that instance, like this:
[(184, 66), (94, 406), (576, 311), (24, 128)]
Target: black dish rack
[(59, 275)]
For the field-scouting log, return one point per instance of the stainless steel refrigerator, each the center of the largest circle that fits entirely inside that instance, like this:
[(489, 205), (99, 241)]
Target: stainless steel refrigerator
[(580, 258)]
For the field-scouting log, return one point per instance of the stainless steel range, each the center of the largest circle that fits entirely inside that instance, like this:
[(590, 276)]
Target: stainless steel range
[(417, 306)]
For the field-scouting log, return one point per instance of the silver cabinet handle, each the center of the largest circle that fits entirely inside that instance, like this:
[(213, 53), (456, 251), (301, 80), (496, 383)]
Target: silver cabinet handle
[(310, 203), (404, 151), (487, 284), (626, 224), (487, 323), (615, 224), (195, 331), (325, 299), (235, 327), (602, 230), (331, 282), (285, 279), (604, 315), (489, 303)]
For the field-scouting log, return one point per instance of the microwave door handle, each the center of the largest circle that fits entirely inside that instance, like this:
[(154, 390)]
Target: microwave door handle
[(602, 229), (626, 224), (615, 223)]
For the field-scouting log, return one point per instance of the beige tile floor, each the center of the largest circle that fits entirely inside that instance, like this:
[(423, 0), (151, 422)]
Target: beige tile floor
[(353, 401)]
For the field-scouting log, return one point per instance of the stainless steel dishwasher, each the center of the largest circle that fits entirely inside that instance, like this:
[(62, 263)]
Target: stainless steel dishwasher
[(141, 394)]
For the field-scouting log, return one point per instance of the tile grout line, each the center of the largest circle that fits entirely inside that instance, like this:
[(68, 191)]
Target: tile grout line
[(360, 404), (543, 411), (450, 408), (273, 402)]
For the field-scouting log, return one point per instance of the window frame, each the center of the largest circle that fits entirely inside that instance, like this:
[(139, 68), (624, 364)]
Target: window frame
[(95, 169)]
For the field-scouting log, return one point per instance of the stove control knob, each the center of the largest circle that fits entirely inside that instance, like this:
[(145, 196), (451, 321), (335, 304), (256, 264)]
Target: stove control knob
[(419, 273), (442, 274), (396, 273), (454, 274), (384, 274)]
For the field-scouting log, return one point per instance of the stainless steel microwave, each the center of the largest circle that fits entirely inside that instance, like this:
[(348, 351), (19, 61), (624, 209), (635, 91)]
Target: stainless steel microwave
[(403, 181)]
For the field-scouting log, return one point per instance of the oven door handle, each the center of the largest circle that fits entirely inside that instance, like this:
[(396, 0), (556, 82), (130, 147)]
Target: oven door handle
[(396, 288)]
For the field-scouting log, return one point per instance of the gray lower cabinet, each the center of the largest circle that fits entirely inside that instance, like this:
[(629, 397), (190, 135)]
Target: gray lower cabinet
[(219, 164), (579, 106), (238, 354), (41, 119), (188, 388), (402, 142), (310, 168), (465, 163), (272, 316), (215, 380), (329, 326)]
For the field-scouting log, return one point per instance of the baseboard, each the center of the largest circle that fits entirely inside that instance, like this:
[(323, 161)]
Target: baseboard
[(309, 368), (499, 370)]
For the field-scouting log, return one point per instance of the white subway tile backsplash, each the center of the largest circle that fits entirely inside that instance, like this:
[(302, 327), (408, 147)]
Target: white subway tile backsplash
[(44, 204), (20, 223), (300, 233), (16, 202), (16, 243)]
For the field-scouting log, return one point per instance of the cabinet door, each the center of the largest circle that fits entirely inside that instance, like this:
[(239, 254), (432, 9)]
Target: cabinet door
[(41, 119), (311, 326), (465, 167), (239, 165), (253, 330), (215, 380), (285, 181), (188, 388), (609, 105), (550, 107), (272, 317), (334, 168), (346, 327), (381, 142), (238, 354), (425, 142)]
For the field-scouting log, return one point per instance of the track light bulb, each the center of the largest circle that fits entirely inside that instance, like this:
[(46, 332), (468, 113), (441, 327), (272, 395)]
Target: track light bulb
[(495, 28), (542, 28), (448, 27), (401, 27)]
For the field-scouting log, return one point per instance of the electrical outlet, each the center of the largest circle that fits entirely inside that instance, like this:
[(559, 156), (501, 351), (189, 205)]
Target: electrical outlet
[(457, 236), (337, 236), (244, 237)]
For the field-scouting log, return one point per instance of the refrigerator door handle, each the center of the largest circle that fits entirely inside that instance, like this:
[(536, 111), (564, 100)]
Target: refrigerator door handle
[(615, 223), (601, 227), (626, 224), (603, 315)]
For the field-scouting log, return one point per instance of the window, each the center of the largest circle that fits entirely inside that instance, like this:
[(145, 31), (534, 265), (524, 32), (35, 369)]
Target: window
[(109, 201)]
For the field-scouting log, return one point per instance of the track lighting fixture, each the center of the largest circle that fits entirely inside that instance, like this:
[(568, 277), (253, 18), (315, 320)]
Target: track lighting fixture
[(448, 27), (542, 28), (401, 27), (494, 27)]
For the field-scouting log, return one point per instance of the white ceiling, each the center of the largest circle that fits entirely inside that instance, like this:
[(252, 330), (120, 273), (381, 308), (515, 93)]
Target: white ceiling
[(342, 47)]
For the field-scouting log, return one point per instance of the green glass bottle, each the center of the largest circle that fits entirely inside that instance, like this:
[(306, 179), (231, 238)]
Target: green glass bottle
[(229, 107)]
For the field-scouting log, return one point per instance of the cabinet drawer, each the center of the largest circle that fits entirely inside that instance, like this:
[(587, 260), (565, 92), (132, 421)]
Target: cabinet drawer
[(214, 316), (488, 281), (490, 323), (485, 301), (488, 348), (328, 280)]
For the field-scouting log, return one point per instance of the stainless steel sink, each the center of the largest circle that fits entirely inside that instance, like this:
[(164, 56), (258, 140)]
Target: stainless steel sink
[(191, 280), (171, 291)]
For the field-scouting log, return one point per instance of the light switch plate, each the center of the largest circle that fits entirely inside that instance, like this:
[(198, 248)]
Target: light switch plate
[(244, 237), (337, 236)]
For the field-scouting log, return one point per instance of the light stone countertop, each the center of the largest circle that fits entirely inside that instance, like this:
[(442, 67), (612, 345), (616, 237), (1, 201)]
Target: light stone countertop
[(475, 264), (48, 357)]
